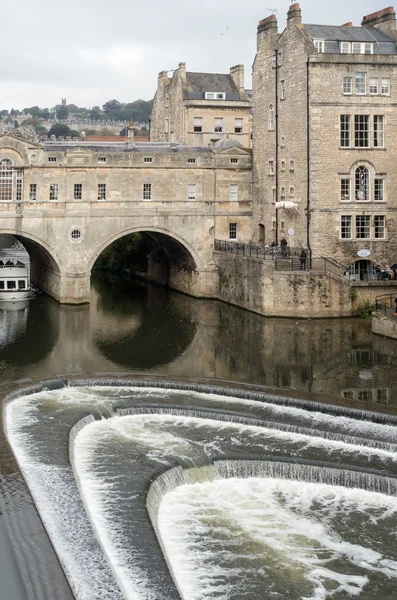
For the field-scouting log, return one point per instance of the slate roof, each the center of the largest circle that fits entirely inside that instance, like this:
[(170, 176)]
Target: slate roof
[(383, 44), (199, 83)]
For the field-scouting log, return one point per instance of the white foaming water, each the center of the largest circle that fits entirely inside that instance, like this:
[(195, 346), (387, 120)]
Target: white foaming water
[(158, 440), (265, 538), (162, 439)]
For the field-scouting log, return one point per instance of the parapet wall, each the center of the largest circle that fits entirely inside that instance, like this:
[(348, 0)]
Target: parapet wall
[(255, 285), (384, 326)]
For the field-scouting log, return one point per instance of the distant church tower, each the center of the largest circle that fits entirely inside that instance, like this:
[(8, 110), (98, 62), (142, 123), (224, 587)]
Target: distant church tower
[(63, 101)]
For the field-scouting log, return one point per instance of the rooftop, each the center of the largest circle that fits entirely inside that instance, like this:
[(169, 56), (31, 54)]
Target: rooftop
[(333, 35)]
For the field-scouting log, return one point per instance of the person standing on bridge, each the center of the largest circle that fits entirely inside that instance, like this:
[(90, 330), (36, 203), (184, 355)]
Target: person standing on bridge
[(303, 259), (283, 245)]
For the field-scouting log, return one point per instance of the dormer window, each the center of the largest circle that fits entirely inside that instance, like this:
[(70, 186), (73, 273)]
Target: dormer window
[(357, 48), (320, 45), (214, 96)]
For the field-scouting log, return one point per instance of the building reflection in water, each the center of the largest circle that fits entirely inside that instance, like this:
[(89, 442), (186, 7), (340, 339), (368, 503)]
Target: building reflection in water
[(150, 329)]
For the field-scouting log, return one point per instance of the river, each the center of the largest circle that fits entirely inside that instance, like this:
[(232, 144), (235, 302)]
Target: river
[(135, 328)]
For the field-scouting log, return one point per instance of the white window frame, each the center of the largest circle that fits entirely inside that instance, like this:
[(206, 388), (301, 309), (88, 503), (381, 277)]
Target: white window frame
[(147, 192), (379, 131), (101, 191), (346, 227), (238, 125), (320, 46), (218, 125), (345, 189), (360, 78), (77, 191), (234, 161), (347, 86), (374, 86), (362, 131), (191, 191), (345, 131), (345, 48), (379, 189), (197, 124), (283, 90), (33, 192), (148, 159), (52, 159), (363, 226), (233, 192), (362, 184), (102, 159), (215, 95), (191, 161), (271, 167), (385, 86), (379, 227), (54, 192)]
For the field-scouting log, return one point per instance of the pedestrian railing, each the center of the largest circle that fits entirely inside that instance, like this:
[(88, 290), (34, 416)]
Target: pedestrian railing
[(316, 266), (265, 252), (385, 305)]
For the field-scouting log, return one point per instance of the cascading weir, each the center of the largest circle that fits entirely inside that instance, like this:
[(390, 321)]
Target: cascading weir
[(191, 491)]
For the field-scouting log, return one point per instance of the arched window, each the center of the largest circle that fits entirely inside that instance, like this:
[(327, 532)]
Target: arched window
[(271, 117), (10, 181), (6, 180), (362, 183)]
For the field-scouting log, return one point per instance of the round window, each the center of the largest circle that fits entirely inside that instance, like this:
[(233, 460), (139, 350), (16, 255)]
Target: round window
[(76, 234)]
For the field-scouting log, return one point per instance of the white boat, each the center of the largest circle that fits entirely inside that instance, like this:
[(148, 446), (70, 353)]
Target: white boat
[(14, 281)]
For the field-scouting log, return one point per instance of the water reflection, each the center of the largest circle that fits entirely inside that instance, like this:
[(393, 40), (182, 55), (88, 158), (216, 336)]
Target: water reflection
[(152, 329)]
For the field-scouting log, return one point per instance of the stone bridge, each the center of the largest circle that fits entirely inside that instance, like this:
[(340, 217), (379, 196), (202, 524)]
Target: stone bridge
[(67, 202)]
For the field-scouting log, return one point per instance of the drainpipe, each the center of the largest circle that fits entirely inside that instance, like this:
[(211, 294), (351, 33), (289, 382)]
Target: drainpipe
[(276, 118), (308, 159)]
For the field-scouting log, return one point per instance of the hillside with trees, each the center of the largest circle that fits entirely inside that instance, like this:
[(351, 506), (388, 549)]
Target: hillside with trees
[(63, 118)]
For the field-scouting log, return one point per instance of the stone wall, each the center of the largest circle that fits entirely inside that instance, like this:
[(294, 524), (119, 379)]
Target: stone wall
[(384, 326), (255, 285)]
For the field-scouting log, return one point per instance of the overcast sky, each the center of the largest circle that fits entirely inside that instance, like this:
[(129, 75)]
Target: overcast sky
[(93, 50)]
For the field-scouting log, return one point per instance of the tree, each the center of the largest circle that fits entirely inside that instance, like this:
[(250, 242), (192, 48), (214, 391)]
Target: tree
[(62, 113), (59, 129), (111, 105), (45, 114), (33, 110), (95, 113)]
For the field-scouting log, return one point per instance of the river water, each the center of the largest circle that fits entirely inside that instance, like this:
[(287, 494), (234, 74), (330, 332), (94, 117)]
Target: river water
[(210, 523)]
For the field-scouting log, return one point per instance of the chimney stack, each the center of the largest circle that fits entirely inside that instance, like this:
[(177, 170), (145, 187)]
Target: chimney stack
[(384, 20), (267, 28), (237, 74), (294, 15), (130, 132)]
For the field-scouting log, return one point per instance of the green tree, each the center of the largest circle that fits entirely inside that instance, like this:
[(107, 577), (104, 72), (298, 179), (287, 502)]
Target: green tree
[(62, 112), (59, 129), (111, 105)]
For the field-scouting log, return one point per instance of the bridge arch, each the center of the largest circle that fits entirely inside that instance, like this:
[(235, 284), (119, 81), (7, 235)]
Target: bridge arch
[(177, 249), (45, 264)]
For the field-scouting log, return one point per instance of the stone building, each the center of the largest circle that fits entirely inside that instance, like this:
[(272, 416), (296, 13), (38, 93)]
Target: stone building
[(67, 201), (197, 109), (324, 143)]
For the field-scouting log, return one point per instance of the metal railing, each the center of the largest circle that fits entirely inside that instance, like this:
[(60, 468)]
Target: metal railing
[(318, 266), (265, 252), (385, 305)]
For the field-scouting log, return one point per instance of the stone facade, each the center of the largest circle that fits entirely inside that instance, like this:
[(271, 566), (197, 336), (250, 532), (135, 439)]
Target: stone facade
[(67, 202), (305, 86), (197, 109), (256, 286)]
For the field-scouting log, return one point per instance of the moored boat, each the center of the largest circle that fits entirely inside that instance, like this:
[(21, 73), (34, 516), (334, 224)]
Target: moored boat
[(14, 280)]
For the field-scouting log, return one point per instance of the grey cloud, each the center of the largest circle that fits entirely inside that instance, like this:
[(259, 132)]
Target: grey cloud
[(84, 50)]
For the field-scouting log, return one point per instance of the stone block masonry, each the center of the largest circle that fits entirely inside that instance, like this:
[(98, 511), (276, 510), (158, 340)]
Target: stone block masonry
[(256, 286)]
